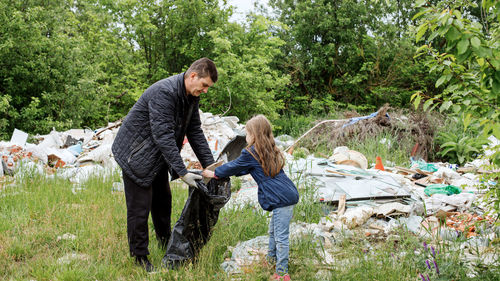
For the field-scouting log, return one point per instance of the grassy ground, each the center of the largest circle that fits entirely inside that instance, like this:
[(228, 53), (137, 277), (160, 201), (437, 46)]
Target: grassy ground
[(35, 211)]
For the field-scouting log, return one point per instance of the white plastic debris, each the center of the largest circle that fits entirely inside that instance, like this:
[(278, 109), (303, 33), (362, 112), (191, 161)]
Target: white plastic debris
[(448, 203), (490, 149), (101, 154), (107, 137), (38, 152), (244, 197), (447, 173), (354, 217), (388, 209), (66, 236), (245, 253), (63, 154), (19, 138), (68, 258), (52, 140)]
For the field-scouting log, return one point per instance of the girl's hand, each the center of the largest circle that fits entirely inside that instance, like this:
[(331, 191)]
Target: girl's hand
[(208, 174)]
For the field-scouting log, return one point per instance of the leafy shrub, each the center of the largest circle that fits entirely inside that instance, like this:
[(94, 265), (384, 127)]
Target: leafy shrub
[(460, 140), (460, 148)]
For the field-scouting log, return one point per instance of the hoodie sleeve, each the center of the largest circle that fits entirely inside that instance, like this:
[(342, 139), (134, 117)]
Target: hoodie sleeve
[(238, 167)]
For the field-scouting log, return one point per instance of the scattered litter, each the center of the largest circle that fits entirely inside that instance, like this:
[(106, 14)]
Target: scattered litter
[(19, 137), (117, 187), (343, 156), (245, 253), (71, 257), (392, 209), (66, 236), (441, 189), (467, 223), (354, 217), (422, 165)]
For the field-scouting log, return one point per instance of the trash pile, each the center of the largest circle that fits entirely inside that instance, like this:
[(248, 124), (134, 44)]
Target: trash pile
[(78, 154), (75, 154), (435, 201), (219, 131)]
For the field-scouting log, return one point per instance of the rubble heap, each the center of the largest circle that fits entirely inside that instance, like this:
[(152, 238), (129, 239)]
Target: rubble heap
[(77, 154)]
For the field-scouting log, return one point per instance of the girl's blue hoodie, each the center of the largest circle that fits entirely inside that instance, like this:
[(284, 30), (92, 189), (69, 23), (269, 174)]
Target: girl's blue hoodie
[(273, 193)]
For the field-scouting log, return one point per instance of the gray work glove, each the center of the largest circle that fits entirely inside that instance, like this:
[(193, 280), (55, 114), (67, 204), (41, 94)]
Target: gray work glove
[(191, 178)]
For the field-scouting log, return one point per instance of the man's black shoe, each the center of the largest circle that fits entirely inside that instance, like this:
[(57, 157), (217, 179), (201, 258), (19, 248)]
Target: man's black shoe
[(144, 262)]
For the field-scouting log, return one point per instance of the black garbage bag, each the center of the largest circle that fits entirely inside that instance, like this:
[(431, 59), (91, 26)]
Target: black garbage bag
[(233, 148), (200, 214)]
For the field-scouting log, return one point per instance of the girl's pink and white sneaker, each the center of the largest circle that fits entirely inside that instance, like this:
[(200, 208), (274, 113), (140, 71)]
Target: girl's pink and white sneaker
[(285, 277)]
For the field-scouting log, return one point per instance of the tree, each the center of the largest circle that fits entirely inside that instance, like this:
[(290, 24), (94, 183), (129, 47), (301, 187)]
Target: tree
[(466, 56), (45, 74), (466, 59), (345, 53), (247, 84), (170, 35)]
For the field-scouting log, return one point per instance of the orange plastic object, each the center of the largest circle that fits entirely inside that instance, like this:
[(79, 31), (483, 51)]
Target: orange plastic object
[(378, 164)]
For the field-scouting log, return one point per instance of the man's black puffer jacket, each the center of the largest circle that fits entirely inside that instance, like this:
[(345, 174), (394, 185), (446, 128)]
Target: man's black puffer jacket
[(152, 133)]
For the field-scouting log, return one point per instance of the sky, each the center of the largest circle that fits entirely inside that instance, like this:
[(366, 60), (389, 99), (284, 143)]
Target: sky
[(242, 8)]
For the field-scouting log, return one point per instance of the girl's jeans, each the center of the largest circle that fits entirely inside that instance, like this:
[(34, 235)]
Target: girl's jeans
[(279, 229)]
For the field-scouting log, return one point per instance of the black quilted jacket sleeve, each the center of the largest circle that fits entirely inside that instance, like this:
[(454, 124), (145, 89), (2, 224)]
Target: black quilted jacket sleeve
[(197, 139), (162, 122)]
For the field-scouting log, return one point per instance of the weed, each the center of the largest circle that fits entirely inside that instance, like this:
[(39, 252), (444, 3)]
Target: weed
[(300, 153), (235, 184)]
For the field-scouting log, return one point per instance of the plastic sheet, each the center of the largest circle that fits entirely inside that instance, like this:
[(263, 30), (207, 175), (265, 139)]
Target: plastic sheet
[(441, 189), (422, 165), (200, 214)]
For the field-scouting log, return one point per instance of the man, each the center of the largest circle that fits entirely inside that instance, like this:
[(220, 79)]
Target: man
[(147, 147)]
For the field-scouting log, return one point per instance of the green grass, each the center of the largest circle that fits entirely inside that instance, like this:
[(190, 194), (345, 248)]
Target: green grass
[(392, 151), (36, 210)]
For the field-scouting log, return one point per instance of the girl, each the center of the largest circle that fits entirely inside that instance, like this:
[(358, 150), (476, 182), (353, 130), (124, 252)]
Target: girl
[(276, 192)]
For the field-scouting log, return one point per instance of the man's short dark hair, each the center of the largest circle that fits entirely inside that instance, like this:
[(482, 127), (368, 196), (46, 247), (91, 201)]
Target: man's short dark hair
[(203, 67)]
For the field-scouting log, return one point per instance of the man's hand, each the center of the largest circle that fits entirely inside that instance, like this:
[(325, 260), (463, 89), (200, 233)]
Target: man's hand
[(191, 178)]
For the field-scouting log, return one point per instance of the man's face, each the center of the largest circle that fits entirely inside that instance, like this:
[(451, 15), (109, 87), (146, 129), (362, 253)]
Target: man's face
[(196, 85)]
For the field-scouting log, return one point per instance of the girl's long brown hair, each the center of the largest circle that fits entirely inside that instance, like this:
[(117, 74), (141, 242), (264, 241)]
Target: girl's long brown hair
[(268, 154)]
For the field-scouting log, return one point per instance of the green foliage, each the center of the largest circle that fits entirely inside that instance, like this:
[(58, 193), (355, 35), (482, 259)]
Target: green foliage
[(394, 150), (460, 148), (466, 56), (460, 140), (235, 184), (170, 35), (490, 184), (84, 63), (465, 52), (247, 84), (346, 53), (7, 113), (300, 152), (52, 68)]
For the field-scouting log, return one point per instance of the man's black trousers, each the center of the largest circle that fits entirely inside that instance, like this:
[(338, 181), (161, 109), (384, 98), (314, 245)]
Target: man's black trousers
[(157, 198)]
